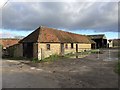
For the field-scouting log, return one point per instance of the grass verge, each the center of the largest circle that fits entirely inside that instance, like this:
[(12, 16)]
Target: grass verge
[(53, 58), (48, 59)]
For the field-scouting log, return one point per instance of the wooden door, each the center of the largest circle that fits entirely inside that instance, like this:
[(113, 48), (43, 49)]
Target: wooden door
[(62, 48), (28, 50)]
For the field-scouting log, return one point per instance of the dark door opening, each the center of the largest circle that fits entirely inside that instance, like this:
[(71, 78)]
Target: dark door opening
[(28, 50), (62, 48), (93, 46), (76, 47), (105, 43)]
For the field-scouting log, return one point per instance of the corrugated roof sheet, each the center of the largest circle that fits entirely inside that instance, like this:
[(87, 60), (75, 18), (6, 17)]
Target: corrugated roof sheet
[(96, 36), (45, 34)]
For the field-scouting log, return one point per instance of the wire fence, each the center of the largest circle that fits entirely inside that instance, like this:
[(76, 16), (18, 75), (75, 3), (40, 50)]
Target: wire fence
[(99, 54)]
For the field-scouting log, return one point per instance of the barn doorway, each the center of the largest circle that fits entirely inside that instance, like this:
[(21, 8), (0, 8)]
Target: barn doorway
[(62, 48), (93, 46), (76, 48), (28, 50)]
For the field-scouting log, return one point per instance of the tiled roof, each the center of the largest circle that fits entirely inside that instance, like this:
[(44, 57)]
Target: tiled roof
[(91, 40), (6, 42), (45, 34)]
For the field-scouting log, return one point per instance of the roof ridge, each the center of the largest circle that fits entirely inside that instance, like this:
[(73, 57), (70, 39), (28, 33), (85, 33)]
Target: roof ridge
[(39, 33), (62, 30), (29, 34), (58, 32), (95, 34)]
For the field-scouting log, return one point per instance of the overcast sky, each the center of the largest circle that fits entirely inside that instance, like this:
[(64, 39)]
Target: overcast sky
[(99, 17)]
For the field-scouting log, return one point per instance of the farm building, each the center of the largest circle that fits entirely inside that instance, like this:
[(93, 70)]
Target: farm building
[(113, 43), (110, 43), (45, 41), (15, 50), (7, 42), (101, 40)]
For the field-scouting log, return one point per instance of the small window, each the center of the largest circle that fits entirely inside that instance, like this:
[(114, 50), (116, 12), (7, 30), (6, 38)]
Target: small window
[(72, 45), (66, 46), (48, 46)]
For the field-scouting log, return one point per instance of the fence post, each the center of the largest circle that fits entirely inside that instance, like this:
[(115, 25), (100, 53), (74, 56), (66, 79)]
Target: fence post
[(109, 55), (41, 53), (98, 54)]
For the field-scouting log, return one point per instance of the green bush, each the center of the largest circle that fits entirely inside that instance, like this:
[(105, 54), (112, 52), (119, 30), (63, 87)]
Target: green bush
[(69, 54), (96, 52), (35, 60), (1, 46)]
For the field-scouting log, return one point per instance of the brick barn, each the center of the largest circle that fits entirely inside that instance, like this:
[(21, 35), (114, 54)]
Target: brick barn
[(7, 42), (113, 43), (45, 41)]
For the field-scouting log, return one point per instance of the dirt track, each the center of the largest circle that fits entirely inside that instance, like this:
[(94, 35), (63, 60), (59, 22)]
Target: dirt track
[(88, 72)]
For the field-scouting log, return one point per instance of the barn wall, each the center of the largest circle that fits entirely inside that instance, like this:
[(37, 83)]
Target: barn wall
[(43, 52), (15, 50), (18, 50), (55, 48), (81, 47), (35, 50), (69, 49)]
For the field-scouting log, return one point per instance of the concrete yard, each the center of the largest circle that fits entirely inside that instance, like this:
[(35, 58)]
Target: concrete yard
[(93, 71)]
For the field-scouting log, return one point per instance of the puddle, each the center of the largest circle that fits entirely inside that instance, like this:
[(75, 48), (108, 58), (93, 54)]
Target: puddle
[(110, 59), (32, 68), (13, 61), (39, 69), (12, 70)]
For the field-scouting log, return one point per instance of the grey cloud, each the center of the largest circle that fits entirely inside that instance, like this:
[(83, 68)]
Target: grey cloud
[(99, 16)]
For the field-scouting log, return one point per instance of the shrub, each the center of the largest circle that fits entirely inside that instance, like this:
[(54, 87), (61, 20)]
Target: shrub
[(96, 51), (35, 60)]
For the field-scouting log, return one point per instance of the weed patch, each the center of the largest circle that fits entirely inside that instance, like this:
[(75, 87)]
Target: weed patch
[(53, 58), (35, 60)]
